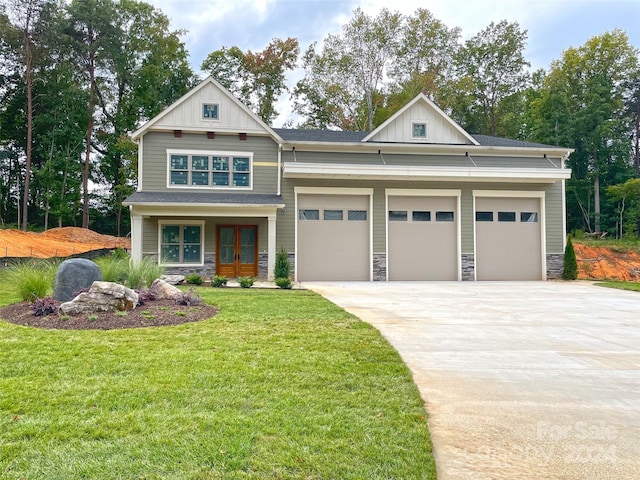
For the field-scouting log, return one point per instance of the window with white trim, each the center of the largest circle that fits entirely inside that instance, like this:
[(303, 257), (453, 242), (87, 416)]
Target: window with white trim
[(181, 244), (419, 130), (210, 169), (210, 111)]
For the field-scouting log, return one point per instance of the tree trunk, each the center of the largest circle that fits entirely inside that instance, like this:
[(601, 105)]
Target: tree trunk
[(596, 200), (87, 156), (27, 168)]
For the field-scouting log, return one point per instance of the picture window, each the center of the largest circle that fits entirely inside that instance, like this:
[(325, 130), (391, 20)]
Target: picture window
[(210, 170), (181, 244)]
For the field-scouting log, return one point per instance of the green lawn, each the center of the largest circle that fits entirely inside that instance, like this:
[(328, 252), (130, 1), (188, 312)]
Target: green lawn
[(281, 384), (635, 286)]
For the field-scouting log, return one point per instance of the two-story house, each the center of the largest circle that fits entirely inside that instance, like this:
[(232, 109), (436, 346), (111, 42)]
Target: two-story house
[(418, 198)]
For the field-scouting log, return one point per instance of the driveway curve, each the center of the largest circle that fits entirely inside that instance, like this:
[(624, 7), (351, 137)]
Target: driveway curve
[(520, 379)]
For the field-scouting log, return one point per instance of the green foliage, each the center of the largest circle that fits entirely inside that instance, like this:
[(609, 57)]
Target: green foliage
[(284, 283), (633, 286), (32, 279), (627, 196), (147, 402), (282, 267), (570, 265), (219, 281), (193, 279), (246, 282), (142, 274), (114, 268)]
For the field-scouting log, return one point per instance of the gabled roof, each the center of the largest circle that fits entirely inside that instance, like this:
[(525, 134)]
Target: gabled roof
[(433, 107), (193, 93)]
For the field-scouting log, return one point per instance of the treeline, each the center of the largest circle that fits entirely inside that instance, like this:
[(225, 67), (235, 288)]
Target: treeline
[(79, 76)]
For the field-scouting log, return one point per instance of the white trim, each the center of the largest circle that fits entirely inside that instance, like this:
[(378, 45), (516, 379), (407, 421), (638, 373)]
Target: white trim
[(420, 173), (203, 210), (334, 191), (271, 246), (209, 119), (210, 153), (414, 192), (209, 80), (181, 223), (426, 131), (564, 216), (136, 237), (421, 97), (140, 163), (541, 195)]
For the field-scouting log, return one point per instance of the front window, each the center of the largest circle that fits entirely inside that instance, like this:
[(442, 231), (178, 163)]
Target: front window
[(215, 170), (181, 244)]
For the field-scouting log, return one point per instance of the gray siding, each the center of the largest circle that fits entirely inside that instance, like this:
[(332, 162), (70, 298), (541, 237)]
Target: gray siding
[(156, 144), (418, 160), (553, 207)]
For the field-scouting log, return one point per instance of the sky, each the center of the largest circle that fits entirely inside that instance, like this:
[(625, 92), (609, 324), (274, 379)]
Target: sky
[(552, 25)]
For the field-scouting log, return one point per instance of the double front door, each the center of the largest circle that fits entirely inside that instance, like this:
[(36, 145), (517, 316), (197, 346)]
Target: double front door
[(237, 250)]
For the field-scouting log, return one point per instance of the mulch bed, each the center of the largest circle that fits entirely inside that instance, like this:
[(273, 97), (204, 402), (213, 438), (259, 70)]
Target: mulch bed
[(155, 313)]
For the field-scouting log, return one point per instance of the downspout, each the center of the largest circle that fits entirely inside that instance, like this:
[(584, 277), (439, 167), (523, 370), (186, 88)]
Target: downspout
[(279, 166)]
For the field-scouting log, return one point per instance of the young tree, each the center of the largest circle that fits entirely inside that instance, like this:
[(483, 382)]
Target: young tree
[(256, 78), (570, 265), (628, 197)]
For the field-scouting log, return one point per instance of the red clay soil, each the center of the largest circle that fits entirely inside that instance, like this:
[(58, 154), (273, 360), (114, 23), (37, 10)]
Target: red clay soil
[(600, 263), (56, 242)]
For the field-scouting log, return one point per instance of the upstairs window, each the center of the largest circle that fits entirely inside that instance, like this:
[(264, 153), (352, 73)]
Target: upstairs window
[(210, 170), (210, 111), (419, 130)]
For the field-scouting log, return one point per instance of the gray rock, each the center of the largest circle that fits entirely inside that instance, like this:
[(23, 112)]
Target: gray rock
[(73, 275), (163, 289), (102, 297), (173, 279)]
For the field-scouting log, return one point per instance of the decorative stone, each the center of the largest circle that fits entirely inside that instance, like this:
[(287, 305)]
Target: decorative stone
[(72, 276), (173, 279), (164, 289), (102, 297)]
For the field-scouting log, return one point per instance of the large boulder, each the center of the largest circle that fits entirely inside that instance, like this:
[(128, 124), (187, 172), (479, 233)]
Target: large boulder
[(102, 297), (72, 276), (163, 289), (173, 279)]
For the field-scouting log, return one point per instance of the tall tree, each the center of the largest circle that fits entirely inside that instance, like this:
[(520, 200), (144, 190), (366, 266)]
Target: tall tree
[(581, 106), (632, 110), (256, 78), (491, 70), (342, 83)]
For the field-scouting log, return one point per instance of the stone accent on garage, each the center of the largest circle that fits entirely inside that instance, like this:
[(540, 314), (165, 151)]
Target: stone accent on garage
[(555, 265), (468, 267), (379, 267)]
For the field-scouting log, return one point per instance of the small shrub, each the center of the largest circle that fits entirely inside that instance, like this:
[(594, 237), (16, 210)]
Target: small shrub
[(189, 298), (92, 318), (143, 273), (283, 282), (42, 307), (246, 282), (120, 254), (121, 314), (65, 318), (180, 313), (32, 280), (219, 281), (193, 279), (282, 267), (570, 267)]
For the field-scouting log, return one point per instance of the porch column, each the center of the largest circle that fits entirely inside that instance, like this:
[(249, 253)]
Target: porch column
[(136, 238), (271, 247)]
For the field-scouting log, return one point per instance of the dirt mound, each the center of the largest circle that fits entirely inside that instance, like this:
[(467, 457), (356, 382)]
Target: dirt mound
[(607, 262), (56, 242)]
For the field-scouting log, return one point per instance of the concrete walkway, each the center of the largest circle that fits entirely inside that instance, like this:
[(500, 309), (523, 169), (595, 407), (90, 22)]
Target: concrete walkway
[(520, 379)]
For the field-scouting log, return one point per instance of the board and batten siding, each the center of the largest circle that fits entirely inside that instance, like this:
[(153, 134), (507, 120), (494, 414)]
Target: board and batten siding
[(156, 144), (438, 129)]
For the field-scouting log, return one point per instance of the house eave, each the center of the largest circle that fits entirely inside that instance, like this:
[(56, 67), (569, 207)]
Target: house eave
[(422, 173)]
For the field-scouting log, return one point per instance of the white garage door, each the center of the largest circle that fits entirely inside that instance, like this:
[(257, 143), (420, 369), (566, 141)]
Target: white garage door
[(333, 237), (423, 238), (508, 239)]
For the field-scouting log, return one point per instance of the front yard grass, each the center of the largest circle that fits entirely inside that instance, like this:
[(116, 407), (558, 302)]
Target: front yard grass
[(635, 286), (281, 384)]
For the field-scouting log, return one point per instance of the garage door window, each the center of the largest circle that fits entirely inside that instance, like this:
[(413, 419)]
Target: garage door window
[(529, 217), (506, 216), (444, 216), (484, 216), (420, 216), (357, 215), (397, 215), (305, 214), (333, 214)]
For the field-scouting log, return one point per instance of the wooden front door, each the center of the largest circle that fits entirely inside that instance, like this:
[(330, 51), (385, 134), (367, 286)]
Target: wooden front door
[(237, 250)]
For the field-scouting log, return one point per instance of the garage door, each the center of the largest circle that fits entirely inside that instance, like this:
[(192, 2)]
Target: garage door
[(508, 239), (333, 237), (423, 238)]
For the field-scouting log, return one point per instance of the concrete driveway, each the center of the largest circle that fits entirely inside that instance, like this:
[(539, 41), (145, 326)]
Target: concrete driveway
[(520, 379)]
